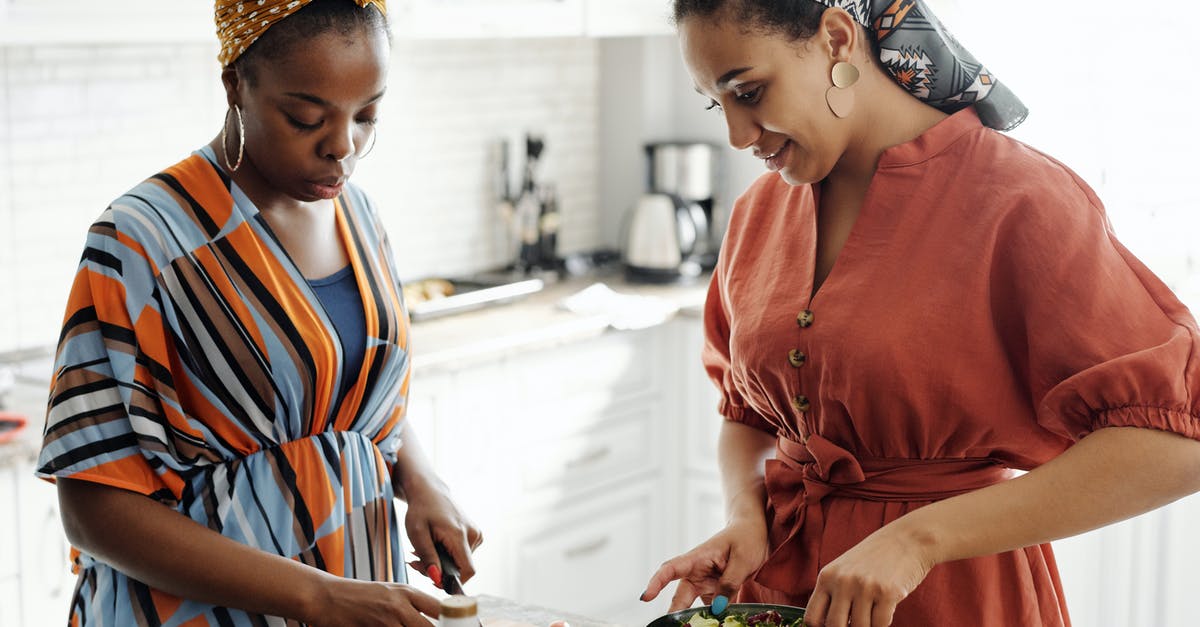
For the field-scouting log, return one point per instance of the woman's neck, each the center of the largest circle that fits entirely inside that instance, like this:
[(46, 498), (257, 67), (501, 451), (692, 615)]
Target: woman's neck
[(890, 116), (265, 197)]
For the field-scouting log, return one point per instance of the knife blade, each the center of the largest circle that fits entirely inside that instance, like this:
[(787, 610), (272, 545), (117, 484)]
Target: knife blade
[(451, 582)]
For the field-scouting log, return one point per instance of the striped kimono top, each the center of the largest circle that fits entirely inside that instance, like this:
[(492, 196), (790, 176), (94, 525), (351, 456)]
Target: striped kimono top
[(196, 366)]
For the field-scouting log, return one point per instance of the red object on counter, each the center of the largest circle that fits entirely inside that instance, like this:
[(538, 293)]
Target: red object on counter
[(11, 426)]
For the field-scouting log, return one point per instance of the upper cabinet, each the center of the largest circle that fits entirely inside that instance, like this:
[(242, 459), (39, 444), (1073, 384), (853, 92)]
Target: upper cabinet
[(90, 22), (474, 19), (155, 21), (626, 18)]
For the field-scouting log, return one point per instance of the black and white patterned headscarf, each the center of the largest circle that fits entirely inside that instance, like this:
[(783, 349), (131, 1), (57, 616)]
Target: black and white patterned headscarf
[(930, 63)]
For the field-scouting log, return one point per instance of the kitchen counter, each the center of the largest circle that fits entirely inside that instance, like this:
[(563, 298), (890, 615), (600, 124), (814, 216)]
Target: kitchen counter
[(495, 608), (534, 322)]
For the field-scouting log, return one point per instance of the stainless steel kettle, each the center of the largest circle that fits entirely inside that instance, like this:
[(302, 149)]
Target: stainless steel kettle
[(661, 233)]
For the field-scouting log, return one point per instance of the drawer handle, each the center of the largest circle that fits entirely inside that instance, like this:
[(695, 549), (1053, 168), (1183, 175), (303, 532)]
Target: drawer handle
[(586, 549), (589, 458)]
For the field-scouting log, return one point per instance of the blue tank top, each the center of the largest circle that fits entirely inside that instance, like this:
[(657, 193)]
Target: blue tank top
[(339, 295)]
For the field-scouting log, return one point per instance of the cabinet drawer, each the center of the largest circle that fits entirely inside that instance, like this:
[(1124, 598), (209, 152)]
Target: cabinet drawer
[(586, 461), (615, 366), (592, 560)]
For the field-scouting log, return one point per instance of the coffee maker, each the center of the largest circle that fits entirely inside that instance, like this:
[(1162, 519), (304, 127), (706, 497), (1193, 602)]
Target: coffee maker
[(688, 171)]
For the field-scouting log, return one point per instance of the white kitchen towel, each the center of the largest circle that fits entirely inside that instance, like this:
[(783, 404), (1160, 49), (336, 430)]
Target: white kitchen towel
[(624, 311)]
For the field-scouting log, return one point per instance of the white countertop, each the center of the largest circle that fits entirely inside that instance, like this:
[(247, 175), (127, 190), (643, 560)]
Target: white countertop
[(537, 321)]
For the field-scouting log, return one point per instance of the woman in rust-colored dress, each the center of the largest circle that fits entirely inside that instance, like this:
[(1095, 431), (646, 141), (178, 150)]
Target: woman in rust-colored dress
[(909, 308)]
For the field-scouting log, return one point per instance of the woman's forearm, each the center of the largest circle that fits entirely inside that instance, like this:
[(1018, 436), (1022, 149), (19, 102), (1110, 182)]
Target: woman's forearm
[(168, 551), (742, 452), (1100, 480)]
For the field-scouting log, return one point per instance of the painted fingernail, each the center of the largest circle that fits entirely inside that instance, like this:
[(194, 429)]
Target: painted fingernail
[(720, 602), (435, 573), (642, 597)]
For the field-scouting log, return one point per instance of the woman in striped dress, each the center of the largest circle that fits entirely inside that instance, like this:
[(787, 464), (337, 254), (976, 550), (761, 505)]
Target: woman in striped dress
[(225, 425)]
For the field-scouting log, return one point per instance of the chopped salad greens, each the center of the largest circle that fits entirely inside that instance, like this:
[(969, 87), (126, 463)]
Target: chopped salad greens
[(770, 618)]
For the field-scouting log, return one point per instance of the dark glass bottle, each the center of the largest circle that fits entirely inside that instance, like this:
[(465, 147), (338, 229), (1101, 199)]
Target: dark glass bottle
[(528, 209), (548, 224)]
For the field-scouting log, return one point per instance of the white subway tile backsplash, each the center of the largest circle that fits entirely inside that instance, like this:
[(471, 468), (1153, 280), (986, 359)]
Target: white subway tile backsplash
[(38, 100), (9, 299), (79, 125)]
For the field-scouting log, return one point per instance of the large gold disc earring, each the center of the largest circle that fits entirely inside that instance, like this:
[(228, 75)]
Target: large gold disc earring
[(241, 139), (840, 97)]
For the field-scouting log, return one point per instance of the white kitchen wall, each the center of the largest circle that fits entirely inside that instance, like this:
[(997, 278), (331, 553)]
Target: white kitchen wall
[(79, 125), (8, 302)]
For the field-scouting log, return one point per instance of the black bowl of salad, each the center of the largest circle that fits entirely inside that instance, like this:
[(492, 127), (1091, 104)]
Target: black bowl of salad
[(735, 615)]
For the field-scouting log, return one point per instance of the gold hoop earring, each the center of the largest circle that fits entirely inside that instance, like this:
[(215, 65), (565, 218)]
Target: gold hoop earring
[(374, 134), (233, 167), (840, 97)]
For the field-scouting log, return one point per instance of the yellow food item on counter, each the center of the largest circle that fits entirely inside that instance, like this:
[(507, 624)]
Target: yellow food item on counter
[(427, 289)]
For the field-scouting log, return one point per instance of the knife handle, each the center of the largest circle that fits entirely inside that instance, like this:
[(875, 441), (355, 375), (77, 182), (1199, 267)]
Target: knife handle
[(450, 574)]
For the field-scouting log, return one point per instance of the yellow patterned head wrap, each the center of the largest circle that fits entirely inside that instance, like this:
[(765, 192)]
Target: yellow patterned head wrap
[(241, 22)]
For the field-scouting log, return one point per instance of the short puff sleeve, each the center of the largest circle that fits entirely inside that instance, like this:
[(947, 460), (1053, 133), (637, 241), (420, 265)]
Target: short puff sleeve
[(717, 360), (1098, 339)]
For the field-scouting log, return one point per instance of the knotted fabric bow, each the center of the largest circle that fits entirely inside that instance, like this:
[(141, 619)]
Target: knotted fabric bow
[(924, 58), (803, 475), (241, 22)]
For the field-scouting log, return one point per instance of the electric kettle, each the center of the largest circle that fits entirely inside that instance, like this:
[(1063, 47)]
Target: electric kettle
[(661, 232)]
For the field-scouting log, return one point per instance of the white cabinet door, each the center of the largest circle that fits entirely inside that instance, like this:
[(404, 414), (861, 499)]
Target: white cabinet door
[(46, 579), (627, 18), (9, 506), (88, 21), (10, 586), (468, 19), (701, 422), (1180, 575), (701, 500), (478, 453), (595, 558), (1111, 576), (427, 394), (10, 602)]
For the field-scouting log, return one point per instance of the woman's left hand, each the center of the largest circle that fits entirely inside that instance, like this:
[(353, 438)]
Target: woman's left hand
[(863, 586), (433, 517)]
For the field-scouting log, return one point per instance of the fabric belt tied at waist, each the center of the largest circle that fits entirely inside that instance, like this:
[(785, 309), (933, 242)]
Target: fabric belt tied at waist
[(802, 475)]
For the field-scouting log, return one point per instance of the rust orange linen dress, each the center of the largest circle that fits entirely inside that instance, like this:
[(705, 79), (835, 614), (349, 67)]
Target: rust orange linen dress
[(981, 317)]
